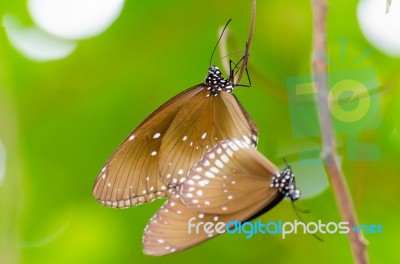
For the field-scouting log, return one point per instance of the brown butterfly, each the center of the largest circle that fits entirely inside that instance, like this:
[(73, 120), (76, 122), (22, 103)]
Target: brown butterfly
[(233, 181), (156, 157)]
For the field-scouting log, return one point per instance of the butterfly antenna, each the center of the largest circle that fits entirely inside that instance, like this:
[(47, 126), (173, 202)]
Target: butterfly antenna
[(297, 210), (219, 39), (287, 165), (232, 53)]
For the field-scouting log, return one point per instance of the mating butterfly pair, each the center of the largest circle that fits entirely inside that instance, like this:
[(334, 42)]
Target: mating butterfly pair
[(198, 149)]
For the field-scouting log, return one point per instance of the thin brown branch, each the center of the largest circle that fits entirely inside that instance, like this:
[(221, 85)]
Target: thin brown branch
[(224, 46), (328, 153), (243, 66)]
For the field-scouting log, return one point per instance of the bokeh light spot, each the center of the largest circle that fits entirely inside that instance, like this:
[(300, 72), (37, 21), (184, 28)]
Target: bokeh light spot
[(381, 29), (311, 177), (35, 44), (75, 19)]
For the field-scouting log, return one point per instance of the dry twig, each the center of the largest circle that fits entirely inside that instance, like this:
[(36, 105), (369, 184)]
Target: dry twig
[(224, 46), (328, 153), (243, 66)]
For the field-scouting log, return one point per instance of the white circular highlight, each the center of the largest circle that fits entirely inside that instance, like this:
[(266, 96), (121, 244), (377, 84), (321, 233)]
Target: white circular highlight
[(35, 44), (75, 19), (315, 180), (381, 29)]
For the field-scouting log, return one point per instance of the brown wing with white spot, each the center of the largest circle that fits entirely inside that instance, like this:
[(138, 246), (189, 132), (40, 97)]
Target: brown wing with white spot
[(199, 126), (168, 231), (232, 182), (229, 178), (131, 175)]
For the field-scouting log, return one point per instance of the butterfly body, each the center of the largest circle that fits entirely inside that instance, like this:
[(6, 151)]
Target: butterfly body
[(217, 83)]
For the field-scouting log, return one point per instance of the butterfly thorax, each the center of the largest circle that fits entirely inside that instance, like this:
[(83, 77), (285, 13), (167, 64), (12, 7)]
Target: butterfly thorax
[(285, 183), (216, 82)]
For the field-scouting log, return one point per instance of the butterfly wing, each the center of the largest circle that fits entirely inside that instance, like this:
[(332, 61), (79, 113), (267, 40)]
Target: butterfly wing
[(131, 174), (238, 190), (199, 126), (228, 177), (251, 123), (157, 156), (168, 230)]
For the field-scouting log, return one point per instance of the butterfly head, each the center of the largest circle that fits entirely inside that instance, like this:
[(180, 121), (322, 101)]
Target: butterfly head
[(216, 82), (285, 183)]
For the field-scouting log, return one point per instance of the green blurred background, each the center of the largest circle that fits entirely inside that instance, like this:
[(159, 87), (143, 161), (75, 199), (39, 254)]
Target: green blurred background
[(61, 119)]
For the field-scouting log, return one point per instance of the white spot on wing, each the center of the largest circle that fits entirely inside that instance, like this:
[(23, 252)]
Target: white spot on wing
[(190, 182), (204, 182), (224, 158), (156, 135), (214, 169), (247, 139), (132, 137), (219, 164), (233, 146), (229, 152), (209, 175)]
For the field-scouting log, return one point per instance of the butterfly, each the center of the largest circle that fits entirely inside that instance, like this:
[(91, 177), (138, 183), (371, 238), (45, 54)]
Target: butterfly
[(156, 157), (233, 181)]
